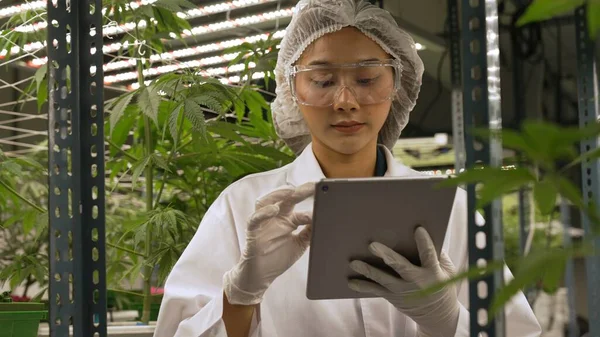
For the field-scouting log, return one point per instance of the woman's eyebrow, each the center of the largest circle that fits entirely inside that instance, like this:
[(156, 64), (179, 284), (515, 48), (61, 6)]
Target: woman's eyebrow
[(324, 62)]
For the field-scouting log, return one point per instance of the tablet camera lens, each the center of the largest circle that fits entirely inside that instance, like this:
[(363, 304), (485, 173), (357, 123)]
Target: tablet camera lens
[(325, 188)]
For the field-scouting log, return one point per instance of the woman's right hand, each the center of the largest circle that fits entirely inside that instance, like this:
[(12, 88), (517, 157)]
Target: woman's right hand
[(271, 246)]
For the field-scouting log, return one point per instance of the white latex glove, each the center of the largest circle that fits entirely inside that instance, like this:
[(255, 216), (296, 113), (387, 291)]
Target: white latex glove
[(271, 246), (437, 313)]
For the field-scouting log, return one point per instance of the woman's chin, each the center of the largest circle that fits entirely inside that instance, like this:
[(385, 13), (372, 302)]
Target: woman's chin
[(348, 146)]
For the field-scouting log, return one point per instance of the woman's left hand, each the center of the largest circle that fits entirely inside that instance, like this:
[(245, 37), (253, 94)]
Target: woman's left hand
[(436, 313)]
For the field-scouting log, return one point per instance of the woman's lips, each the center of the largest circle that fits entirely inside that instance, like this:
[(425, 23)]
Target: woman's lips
[(348, 127)]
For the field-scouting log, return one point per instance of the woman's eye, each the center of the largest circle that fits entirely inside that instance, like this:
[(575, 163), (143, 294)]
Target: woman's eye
[(322, 84), (366, 81)]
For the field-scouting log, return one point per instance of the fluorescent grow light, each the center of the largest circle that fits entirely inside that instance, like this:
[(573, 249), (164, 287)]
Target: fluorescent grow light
[(129, 26), (197, 12), (180, 53), (196, 31), (156, 71), (224, 80)]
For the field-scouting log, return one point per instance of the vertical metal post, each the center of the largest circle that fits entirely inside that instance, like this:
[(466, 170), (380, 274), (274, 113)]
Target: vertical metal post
[(481, 100), (587, 86), (76, 166), (565, 215), (519, 107), (458, 130), (520, 116)]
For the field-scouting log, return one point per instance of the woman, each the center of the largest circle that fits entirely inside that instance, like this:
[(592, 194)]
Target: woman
[(347, 78)]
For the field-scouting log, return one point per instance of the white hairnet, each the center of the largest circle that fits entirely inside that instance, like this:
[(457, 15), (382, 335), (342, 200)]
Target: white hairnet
[(314, 18)]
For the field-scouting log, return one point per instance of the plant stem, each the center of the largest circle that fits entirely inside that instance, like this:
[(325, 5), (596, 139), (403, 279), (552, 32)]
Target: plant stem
[(134, 159), (130, 251), (147, 270), (124, 292), (27, 201), (169, 159)]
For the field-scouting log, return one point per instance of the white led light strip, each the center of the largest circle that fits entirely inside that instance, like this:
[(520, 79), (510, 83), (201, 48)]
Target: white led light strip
[(12, 10), (196, 31), (190, 14), (180, 53), (225, 80), (128, 76)]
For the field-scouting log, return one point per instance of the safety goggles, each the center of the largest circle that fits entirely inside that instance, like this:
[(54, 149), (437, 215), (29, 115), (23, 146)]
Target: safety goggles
[(321, 85)]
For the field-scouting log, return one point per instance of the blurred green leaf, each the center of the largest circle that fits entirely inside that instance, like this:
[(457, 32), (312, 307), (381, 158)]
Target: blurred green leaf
[(545, 194), (29, 221), (175, 5), (40, 75), (541, 10), (11, 167), (29, 162), (495, 181), (545, 265), (593, 18), (42, 95)]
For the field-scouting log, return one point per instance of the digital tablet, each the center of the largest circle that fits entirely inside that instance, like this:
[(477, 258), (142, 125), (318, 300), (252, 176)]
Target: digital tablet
[(349, 214)]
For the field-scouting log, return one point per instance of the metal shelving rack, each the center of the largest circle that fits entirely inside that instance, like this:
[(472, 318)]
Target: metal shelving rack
[(480, 107), (76, 169), (587, 84)]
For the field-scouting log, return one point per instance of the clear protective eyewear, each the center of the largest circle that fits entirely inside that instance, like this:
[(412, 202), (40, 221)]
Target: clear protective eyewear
[(370, 82)]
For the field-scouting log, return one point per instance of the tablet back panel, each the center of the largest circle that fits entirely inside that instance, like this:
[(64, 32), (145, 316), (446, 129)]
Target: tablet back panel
[(350, 214)]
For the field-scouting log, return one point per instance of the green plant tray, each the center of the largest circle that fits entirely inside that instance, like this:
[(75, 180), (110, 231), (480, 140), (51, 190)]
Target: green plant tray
[(21, 319)]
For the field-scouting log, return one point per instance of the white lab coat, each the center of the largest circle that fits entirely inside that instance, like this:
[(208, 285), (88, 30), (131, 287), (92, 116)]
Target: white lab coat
[(193, 300)]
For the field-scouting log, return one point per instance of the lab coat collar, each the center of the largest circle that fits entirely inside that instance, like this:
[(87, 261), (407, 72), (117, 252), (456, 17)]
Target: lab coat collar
[(306, 168)]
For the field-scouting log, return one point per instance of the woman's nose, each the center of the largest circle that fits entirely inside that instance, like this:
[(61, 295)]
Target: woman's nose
[(345, 100)]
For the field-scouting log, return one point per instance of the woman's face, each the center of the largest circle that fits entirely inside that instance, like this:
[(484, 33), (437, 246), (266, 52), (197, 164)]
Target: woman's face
[(345, 127)]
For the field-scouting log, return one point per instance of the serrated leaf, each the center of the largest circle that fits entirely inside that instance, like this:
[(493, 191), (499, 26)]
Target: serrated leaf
[(121, 130), (169, 5), (117, 109), (174, 119), (149, 101), (147, 10), (208, 101), (139, 168), (171, 218), (226, 130), (545, 195), (193, 112), (270, 152), (160, 162), (39, 272), (139, 237), (240, 109)]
